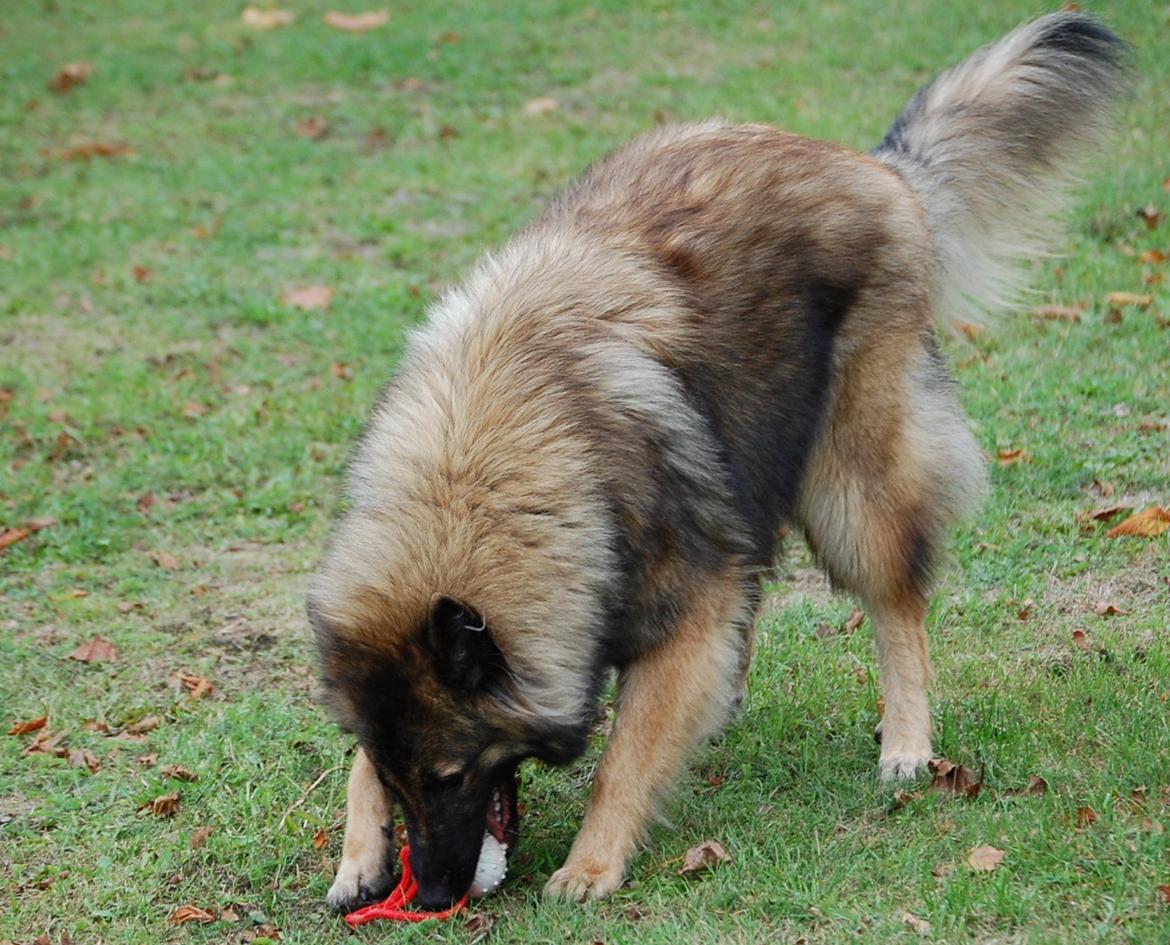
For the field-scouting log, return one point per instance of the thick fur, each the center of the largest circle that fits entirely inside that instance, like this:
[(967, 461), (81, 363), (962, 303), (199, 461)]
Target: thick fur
[(589, 450)]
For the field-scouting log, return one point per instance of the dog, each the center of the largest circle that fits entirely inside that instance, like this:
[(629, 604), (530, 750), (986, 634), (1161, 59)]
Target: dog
[(590, 448)]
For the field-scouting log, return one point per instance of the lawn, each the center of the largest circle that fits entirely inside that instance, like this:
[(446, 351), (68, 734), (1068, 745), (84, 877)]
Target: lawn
[(181, 427)]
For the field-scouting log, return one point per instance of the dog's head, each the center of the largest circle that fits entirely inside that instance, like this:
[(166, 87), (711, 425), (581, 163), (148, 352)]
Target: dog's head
[(438, 714)]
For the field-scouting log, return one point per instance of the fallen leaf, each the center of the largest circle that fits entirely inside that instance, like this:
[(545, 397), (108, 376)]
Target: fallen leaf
[(1149, 215), (984, 859), (142, 726), (36, 524), (1118, 299), (84, 758), (228, 915), (178, 772), (189, 913), (310, 298), (1107, 609), (165, 560), (146, 761), (199, 837), (341, 371), (950, 778), (1152, 257), (853, 621), (27, 728), (92, 149), (707, 855), (1059, 313), (356, 22), (1080, 640), (478, 924), (268, 19), (1086, 817), (10, 536), (1006, 457), (320, 838), (1163, 892), (314, 127), (47, 743), (70, 75), (197, 686), (165, 805), (96, 650), (93, 725), (127, 606), (921, 926), (1037, 787), (141, 274), (1148, 523), (193, 409), (1112, 511), (543, 105)]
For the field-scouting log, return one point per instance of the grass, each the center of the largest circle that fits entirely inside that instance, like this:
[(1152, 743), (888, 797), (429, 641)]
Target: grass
[(185, 410)]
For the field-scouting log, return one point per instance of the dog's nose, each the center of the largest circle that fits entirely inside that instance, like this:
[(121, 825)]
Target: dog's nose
[(436, 895)]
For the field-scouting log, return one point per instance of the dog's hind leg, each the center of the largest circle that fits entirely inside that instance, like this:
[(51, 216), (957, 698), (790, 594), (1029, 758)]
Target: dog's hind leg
[(669, 701), (367, 857), (895, 466)]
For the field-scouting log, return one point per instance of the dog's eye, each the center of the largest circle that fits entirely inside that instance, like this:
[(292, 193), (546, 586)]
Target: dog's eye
[(445, 779)]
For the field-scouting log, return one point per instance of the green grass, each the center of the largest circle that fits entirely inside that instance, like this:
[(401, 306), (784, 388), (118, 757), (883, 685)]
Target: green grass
[(408, 186)]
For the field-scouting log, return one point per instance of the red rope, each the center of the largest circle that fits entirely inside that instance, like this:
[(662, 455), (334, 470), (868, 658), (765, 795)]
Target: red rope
[(393, 906)]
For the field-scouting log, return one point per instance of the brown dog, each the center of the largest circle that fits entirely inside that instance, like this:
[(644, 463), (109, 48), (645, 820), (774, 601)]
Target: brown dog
[(589, 449)]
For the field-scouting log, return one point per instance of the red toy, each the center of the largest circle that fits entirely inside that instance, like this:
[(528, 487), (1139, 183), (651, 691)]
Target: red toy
[(392, 907)]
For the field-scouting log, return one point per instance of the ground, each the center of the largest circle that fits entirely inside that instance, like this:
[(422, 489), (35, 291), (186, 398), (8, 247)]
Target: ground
[(184, 430)]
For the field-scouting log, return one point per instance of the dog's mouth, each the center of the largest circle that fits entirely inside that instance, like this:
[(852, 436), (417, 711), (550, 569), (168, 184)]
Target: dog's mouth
[(503, 815)]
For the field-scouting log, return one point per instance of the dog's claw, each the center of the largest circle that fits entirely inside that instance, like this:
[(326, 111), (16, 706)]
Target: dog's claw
[(902, 766), (583, 880)]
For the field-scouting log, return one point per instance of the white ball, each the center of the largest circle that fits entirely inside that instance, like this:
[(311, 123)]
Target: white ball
[(491, 868)]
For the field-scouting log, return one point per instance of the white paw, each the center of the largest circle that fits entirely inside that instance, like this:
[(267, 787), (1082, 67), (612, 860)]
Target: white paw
[(358, 883), (584, 878), (902, 765)]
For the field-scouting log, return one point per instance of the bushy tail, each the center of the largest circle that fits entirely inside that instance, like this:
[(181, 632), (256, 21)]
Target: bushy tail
[(989, 147)]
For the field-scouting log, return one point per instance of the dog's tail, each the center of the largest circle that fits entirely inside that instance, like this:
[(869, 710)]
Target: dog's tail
[(988, 147)]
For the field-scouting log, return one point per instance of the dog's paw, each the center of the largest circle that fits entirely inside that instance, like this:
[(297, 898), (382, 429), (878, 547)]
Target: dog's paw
[(584, 878), (354, 887), (902, 765)]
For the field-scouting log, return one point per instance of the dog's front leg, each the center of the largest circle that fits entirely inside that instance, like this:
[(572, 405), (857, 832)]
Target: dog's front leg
[(669, 700), (366, 870)]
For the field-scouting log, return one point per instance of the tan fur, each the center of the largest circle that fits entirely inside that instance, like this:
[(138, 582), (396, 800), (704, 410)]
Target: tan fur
[(365, 852)]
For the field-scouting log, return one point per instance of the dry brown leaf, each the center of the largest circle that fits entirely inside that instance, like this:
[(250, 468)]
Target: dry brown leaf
[(1163, 893), (1152, 257), (146, 761), (310, 298), (178, 772), (84, 758), (229, 915), (356, 22), (921, 926), (192, 409), (165, 805), (199, 837), (1085, 817), (314, 127), (1118, 299), (47, 743), (1108, 609), (189, 913), (197, 686), (127, 606), (70, 75), (93, 725), (1149, 215), (984, 859), (1148, 523), (1112, 511), (542, 105), (268, 19), (27, 728), (1006, 457), (165, 560), (1059, 313), (10, 536), (854, 620), (95, 650), (86, 152), (141, 274), (36, 524), (320, 838), (142, 726), (1037, 787), (478, 925), (707, 855), (1080, 640), (950, 778)]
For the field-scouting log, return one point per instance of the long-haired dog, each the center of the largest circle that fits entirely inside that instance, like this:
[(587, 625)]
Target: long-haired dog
[(587, 453)]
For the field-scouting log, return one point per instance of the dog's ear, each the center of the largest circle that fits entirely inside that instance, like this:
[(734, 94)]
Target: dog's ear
[(466, 656)]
